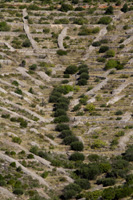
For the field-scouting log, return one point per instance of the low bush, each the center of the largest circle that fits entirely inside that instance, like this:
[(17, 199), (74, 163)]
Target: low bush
[(65, 133), (62, 118), (77, 146), (16, 140), (61, 52), (105, 20), (62, 127), (69, 139), (71, 69), (103, 49), (83, 183), (77, 156)]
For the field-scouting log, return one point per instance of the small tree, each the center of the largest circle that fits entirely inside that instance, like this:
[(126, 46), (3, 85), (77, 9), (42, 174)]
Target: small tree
[(77, 156), (124, 8), (109, 11)]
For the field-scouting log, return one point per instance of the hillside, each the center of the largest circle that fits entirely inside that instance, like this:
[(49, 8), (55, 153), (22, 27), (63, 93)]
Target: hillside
[(66, 100)]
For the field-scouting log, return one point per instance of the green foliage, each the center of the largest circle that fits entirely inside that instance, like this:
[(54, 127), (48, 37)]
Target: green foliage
[(103, 49), (59, 112), (62, 118), (46, 30), (77, 156), (98, 144), (128, 155), (71, 190), (83, 100), (124, 8), (4, 26), (90, 171), (96, 44), (13, 164), (110, 53), (62, 127), (69, 139), (18, 91), (77, 107), (33, 67), (93, 157), (65, 133), (83, 183), (87, 31), (66, 7), (106, 181), (18, 191), (71, 69), (80, 21), (61, 52), (82, 82), (77, 146), (17, 140), (26, 43), (113, 64), (90, 107), (109, 10), (105, 20)]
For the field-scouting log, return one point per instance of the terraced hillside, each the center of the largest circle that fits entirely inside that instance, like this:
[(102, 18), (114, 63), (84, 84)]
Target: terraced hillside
[(66, 99)]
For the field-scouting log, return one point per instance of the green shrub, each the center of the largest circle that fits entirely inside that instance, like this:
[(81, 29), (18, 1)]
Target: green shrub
[(4, 26), (59, 112), (15, 83), (113, 64), (62, 118), (128, 155), (105, 20), (84, 75), (90, 107), (101, 59), (69, 139), (18, 191), (30, 156), (33, 67), (77, 146), (110, 53), (77, 107), (83, 183), (106, 181), (65, 133), (77, 156), (96, 44), (61, 52), (89, 172), (18, 91), (13, 164), (109, 10), (66, 7), (82, 82), (71, 190), (5, 116), (103, 49), (26, 43), (62, 127), (80, 21), (71, 69), (46, 30), (98, 144), (93, 157), (16, 140), (34, 150), (44, 174), (124, 8)]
